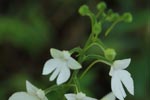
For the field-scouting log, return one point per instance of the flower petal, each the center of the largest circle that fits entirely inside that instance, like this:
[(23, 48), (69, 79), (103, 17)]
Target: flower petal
[(117, 87), (56, 53), (23, 96), (127, 80), (31, 89), (73, 64), (63, 75), (121, 64), (40, 93), (111, 71), (45, 98), (80, 96), (109, 96), (50, 65), (54, 74), (70, 96)]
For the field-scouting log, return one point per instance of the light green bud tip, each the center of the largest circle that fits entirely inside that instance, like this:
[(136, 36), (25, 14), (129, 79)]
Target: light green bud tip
[(101, 6), (84, 10), (127, 17), (113, 17), (110, 54), (97, 28)]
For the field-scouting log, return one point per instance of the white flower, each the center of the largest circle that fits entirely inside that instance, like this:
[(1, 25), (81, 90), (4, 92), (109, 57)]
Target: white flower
[(60, 65), (119, 77), (33, 93), (109, 96), (78, 96)]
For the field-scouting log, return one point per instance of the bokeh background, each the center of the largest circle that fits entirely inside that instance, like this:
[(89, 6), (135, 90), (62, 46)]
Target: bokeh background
[(29, 28)]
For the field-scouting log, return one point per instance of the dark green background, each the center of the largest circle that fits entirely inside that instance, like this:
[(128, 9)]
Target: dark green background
[(29, 28)]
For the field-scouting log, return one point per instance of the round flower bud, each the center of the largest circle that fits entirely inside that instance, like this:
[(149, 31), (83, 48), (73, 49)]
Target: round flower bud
[(84, 10), (127, 17), (113, 17), (101, 6), (97, 28), (110, 54)]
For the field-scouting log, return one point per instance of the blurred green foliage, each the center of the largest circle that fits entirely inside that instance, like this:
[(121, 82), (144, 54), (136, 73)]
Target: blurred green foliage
[(30, 32), (28, 28)]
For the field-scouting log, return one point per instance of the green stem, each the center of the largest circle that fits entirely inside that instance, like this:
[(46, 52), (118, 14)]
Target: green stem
[(98, 57), (93, 18), (78, 89), (98, 14), (75, 81), (88, 41), (112, 26), (55, 87), (72, 77), (90, 66), (96, 44), (93, 21), (76, 49), (52, 88)]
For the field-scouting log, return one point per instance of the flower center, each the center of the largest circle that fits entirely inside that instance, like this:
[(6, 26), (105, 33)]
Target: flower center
[(66, 55)]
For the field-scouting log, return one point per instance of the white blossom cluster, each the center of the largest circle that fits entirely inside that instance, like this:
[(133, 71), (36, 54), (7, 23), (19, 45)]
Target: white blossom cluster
[(59, 67)]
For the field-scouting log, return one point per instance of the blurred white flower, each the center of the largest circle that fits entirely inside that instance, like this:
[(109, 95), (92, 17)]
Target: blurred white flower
[(119, 77), (109, 96), (78, 96), (60, 65), (33, 93)]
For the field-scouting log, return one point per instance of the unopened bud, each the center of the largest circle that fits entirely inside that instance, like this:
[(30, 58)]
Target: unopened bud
[(84, 10), (127, 17), (97, 28), (101, 6), (110, 54), (113, 17)]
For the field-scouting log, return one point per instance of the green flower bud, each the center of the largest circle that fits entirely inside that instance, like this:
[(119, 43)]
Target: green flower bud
[(110, 54), (97, 28), (127, 17), (84, 10), (113, 17), (101, 6)]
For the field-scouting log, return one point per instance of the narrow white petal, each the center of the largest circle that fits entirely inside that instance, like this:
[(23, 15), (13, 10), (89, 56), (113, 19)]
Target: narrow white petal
[(70, 96), (54, 74), (50, 65), (56, 53), (121, 64), (73, 64), (127, 80), (111, 71), (109, 96), (31, 89), (45, 98), (23, 96), (63, 75), (117, 87)]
